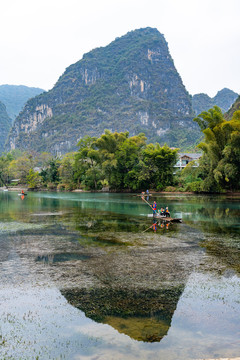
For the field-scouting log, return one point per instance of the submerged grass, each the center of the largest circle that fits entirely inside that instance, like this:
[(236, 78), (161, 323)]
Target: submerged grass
[(9, 227)]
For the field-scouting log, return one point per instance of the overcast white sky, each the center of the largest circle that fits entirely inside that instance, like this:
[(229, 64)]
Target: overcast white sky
[(40, 38)]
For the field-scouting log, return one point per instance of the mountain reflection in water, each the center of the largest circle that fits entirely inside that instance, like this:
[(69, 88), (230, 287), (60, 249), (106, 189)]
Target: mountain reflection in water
[(142, 315)]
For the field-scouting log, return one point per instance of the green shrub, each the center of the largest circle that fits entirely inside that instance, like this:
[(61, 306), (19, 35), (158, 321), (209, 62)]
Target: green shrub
[(195, 186), (51, 186), (61, 187), (170, 189), (181, 189), (69, 187)]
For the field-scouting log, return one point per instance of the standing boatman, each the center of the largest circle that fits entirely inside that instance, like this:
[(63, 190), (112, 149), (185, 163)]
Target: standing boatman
[(154, 207)]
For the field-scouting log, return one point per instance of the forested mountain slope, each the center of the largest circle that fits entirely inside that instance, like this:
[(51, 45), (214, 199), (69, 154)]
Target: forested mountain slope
[(5, 124), (235, 106)]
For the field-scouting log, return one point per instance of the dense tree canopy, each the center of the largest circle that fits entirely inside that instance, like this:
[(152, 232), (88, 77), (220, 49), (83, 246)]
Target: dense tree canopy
[(219, 167), (114, 160), (122, 162)]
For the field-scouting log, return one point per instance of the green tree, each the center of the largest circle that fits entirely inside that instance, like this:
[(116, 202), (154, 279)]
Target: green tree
[(191, 177), (66, 170), (87, 167), (5, 161), (221, 150), (33, 179), (227, 172), (108, 145), (19, 168), (159, 163), (109, 142), (129, 162), (50, 173)]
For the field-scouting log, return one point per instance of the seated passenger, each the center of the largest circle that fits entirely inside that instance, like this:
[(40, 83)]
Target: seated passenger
[(166, 212), (161, 212)]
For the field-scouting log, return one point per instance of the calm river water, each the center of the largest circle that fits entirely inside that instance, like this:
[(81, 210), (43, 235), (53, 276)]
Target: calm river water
[(84, 276)]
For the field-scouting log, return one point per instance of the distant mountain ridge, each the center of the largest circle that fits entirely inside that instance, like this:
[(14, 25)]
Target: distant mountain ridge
[(223, 99), (15, 96), (5, 125), (130, 85)]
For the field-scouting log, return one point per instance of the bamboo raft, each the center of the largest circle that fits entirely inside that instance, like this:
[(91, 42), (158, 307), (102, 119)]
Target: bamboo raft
[(165, 218)]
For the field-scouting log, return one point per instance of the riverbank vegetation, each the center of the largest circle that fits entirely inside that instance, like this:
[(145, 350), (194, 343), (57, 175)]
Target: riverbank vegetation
[(219, 166), (118, 162), (113, 161)]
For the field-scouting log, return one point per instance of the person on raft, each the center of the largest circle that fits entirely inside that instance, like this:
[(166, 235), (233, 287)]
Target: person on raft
[(154, 207), (161, 212), (166, 212)]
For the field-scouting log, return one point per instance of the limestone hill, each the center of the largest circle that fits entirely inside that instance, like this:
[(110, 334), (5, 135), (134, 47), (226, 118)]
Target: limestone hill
[(130, 85)]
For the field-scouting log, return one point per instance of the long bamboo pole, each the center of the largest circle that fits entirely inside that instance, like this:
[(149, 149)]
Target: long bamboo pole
[(147, 202)]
